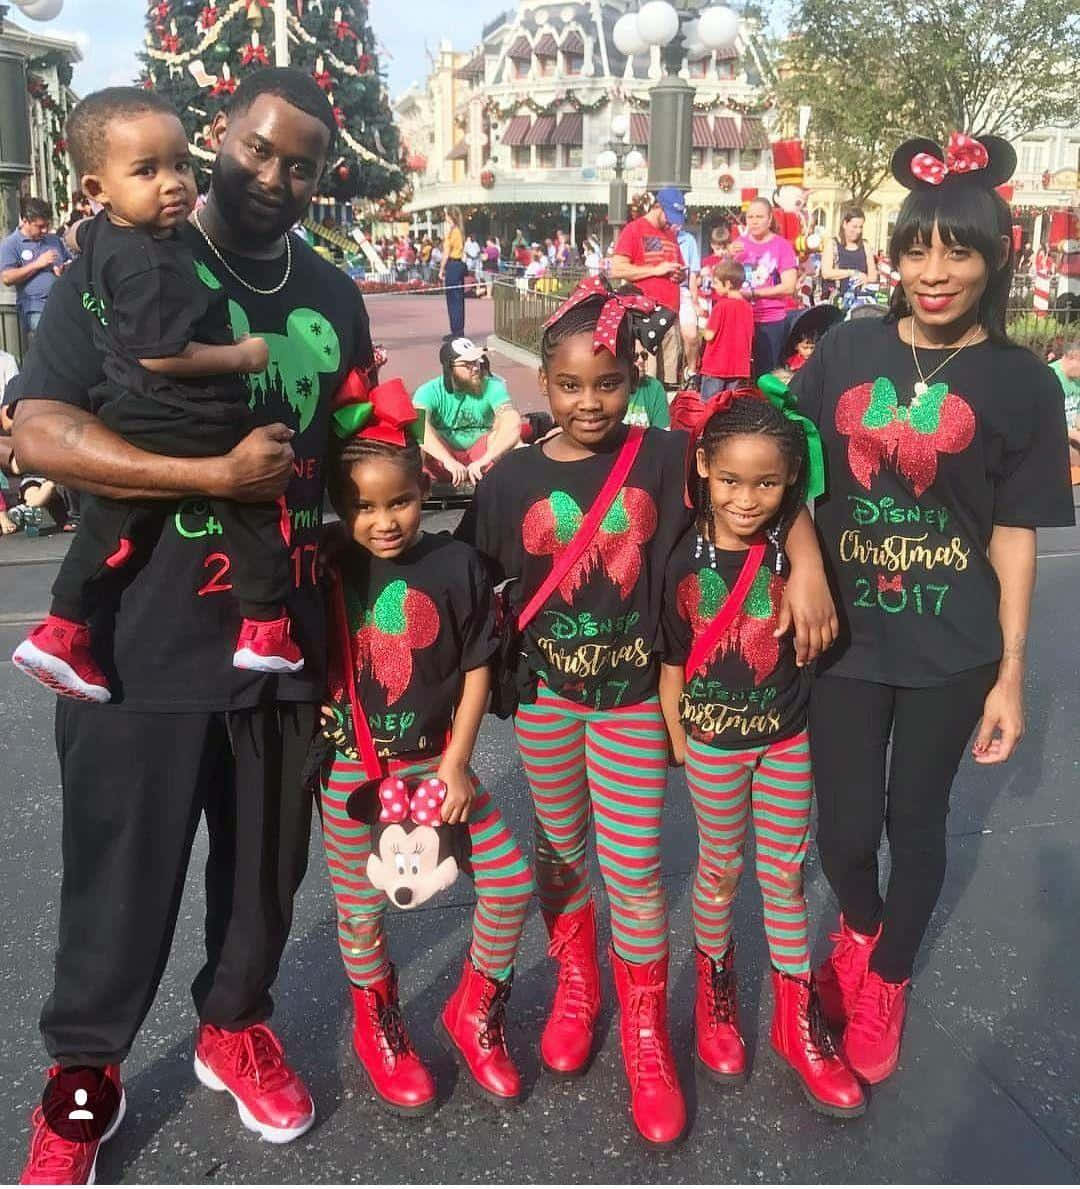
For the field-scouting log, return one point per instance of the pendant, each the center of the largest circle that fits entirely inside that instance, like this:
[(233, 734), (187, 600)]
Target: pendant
[(920, 387)]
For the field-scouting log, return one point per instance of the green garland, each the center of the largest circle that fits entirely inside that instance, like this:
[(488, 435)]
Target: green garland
[(717, 102), (570, 98), (38, 90)]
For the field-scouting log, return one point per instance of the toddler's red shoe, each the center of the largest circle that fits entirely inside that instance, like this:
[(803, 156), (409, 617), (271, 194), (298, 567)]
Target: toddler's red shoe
[(872, 1036), (265, 646), (251, 1066), (54, 1160), (57, 653)]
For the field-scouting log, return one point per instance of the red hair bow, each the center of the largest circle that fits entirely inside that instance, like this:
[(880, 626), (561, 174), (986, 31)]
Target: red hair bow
[(690, 412), (424, 806), (384, 413), (615, 308), (963, 154)]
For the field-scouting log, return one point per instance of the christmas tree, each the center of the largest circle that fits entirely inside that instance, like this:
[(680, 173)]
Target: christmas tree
[(198, 50)]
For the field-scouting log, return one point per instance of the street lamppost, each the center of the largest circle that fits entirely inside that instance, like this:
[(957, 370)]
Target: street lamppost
[(618, 156)]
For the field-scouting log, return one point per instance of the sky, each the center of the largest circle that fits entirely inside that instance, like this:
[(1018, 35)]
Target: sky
[(110, 33)]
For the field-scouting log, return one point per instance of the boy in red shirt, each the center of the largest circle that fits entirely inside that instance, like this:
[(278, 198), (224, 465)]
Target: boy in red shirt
[(728, 333)]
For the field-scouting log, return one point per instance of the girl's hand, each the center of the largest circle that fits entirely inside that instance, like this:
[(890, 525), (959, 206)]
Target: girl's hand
[(460, 792), (1002, 725), (808, 606), (676, 751)]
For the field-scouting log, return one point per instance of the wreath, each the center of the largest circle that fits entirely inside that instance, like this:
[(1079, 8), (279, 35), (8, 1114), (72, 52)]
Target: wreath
[(726, 182), (487, 179)]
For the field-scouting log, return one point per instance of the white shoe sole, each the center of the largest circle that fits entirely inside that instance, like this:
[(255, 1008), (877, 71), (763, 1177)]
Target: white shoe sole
[(56, 674), (244, 658), (114, 1127), (273, 1135)]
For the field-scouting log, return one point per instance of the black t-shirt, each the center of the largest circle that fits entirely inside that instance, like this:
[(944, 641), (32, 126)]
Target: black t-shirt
[(594, 640), (750, 693), (915, 487), (177, 622), (417, 624)]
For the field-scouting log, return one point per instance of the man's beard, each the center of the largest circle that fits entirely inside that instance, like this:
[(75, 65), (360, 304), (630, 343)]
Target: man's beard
[(250, 227)]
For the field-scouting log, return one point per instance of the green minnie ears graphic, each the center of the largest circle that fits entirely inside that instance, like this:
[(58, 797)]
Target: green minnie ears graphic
[(781, 396)]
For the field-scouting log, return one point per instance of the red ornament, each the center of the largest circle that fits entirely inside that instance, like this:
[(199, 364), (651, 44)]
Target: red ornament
[(324, 80), (343, 172), (254, 53), (344, 30), (487, 179), (363, 63), (224, 86), (339, 115), (209, 16), (170, 43)]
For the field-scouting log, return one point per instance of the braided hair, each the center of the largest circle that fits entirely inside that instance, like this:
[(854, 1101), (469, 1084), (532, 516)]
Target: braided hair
[(750, 413), (344, 455), (581, 319)]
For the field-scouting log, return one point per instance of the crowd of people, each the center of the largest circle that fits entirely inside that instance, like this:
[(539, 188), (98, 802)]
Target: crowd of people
[(670, 601)]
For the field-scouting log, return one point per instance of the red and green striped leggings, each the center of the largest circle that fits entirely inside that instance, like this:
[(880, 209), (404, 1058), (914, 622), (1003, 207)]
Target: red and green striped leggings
[(610, 765), (774, 785), (496, 865)]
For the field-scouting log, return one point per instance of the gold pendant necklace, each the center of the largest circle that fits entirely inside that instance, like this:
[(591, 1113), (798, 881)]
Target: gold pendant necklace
[(922, 385)]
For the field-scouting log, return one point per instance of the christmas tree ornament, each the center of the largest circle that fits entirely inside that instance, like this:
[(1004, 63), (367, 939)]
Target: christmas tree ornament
[(254, 52), (199, 73), (209, 17), (254, 14)]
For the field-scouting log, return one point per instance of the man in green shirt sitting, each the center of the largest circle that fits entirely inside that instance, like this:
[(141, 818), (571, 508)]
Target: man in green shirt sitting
[(648, 405), (1067, 370), (470, 421)]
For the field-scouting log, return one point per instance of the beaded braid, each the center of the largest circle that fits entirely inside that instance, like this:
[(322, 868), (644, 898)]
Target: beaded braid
[(358, 449)]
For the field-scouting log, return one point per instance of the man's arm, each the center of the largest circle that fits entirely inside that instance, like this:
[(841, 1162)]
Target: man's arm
[(16, 276), (505, 433), (623, 270)]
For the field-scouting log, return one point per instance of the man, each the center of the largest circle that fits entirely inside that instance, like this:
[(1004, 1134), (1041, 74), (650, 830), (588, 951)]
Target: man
[(1067, 370), (30, 260), (187, 733), (469, 420), (772, 271), (647, 253)]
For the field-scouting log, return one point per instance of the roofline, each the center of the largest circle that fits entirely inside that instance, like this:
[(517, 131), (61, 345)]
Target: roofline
[(43, 41)]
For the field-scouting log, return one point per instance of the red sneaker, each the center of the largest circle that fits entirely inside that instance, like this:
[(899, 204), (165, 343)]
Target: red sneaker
[(872, 1037), (251, 1066), (54, 1160), (265, 646), (57, 653)]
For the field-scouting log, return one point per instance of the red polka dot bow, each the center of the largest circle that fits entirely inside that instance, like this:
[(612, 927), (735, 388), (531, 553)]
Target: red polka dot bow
[(424, 806), (963, 154), (650, 320)]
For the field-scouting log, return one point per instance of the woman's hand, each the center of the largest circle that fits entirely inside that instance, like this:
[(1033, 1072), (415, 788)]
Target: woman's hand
[(1002, 725), (807, 606), (460, 792)]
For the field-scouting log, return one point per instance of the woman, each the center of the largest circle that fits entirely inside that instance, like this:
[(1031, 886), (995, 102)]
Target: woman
[(452, 271), (946, 448), (847, 259), (772, 271)]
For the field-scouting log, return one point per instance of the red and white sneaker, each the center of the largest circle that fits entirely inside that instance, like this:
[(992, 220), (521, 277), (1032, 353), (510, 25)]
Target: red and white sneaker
[(54, 1160), (265, 646), (251, 1066), (57, 653)]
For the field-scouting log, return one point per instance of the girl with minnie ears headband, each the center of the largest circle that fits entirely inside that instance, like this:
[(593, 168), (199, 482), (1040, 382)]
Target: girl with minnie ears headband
[(946, 449), (412, 632)]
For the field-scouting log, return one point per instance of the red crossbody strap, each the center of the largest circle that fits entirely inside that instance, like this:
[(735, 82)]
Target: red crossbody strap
[(365, 745), (588, 527), (710, 637)]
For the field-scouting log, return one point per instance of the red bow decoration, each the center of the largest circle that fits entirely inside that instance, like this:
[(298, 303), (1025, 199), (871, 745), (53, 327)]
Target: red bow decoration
[(962, 155), (343, 29), (208, 17), (324, 80), (224, 86), (896, 585), (615, 308), (170, 43), (254, 53), (384, 413), (424, 806), (339, 115)]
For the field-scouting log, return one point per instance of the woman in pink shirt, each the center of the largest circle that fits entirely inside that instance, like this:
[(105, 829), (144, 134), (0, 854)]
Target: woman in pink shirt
[(771, 270)]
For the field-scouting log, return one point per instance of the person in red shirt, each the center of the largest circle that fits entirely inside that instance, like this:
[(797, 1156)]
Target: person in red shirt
[(728, 334), (647, 254)]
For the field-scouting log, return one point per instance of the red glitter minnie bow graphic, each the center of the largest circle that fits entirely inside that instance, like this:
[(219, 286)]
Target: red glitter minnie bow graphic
[(401, 622), (911, 437), (550, 525), (894, 584), (962, 155), (699, 598)]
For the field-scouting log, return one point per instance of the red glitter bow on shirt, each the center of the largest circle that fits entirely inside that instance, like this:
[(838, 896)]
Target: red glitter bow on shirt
[(963, 154), (384, 413), (615, 308), (424, 806)]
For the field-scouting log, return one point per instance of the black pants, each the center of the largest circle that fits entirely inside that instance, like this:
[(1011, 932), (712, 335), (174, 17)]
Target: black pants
[(767, 346), (134, 788), (455, 296), (850, 725)]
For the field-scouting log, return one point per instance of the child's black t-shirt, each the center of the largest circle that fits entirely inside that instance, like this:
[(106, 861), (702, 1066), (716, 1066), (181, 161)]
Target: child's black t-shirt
[(594, 641), (417, 624), (916, 485), (750, 692)]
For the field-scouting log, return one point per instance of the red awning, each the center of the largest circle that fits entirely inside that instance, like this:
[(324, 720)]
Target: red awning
[(569, 130), (516, 131), (520, 49), (753, 133), (546, 47), (702, 136), (542, 131), (459, 152), (573, 43), (639, 128), (726, 53), (725, 134), (473, 69)]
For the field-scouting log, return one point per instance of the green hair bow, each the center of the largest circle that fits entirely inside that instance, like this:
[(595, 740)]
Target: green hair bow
[(781, 396)]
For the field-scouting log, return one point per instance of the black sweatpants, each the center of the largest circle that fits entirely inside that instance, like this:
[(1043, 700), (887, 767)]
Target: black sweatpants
[(850, 726), (134, 787)]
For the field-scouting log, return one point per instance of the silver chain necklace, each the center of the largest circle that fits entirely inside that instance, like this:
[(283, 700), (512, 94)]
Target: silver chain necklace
[(247, 284)]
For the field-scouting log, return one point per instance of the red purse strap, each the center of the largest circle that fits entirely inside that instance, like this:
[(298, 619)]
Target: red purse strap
[(365, 745), (588, 527), (710, 637)]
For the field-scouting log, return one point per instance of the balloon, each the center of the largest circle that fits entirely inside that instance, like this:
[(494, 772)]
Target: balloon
[(40, 10), (625, 34), (718, 27), (657, 22)]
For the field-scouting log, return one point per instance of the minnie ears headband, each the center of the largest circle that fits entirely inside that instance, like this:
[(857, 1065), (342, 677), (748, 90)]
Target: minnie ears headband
[(384, 413), (648, 321), (986, 161)]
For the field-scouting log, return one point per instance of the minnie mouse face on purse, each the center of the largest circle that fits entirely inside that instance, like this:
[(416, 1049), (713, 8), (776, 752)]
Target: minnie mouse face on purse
[(414, 853)]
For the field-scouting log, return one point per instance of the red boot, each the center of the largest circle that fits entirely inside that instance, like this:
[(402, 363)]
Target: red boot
[(801, 1037), (656, 1099), (721, 1050), (381, 1041), (474, 1019), (566, 1045), (839, 978), (872, 1037)]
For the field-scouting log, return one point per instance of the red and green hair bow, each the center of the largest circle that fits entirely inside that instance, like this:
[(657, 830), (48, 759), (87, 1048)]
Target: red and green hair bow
[(384, 413)]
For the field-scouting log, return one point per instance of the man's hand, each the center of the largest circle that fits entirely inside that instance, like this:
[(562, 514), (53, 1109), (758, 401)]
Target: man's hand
[(258, 469), (476, 469), (1002, 725), (48, 259), (807, 606), (254, 354), (460, 792), (457, 471), (667, 268)]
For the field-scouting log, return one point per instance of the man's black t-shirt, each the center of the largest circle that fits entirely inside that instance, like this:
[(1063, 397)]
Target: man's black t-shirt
[(177, 621), (916, 485), (750, 692), (594, 640), (417, 624)]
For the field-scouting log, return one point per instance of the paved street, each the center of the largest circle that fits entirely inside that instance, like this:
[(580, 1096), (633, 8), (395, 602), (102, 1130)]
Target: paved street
[(989, 1085)]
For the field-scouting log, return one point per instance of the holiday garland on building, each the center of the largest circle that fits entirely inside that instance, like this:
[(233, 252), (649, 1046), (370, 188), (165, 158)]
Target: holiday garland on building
[(197, 51), (55, 112)]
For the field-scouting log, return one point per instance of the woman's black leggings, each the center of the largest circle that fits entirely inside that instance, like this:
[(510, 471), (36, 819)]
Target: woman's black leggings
[(850, 725)]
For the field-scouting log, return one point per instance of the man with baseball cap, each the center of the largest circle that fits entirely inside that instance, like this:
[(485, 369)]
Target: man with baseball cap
[(470, 421), (647, 254)]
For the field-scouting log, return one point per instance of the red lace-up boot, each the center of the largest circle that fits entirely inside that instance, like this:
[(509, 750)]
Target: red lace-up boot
[(54, 1160), (872, 1037), (251, 1066), (381, 1041), (656, 1099), (57, 653), (839, 978), (720, 1048), (802, 1038), (474, 1019), (566, 1044)]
